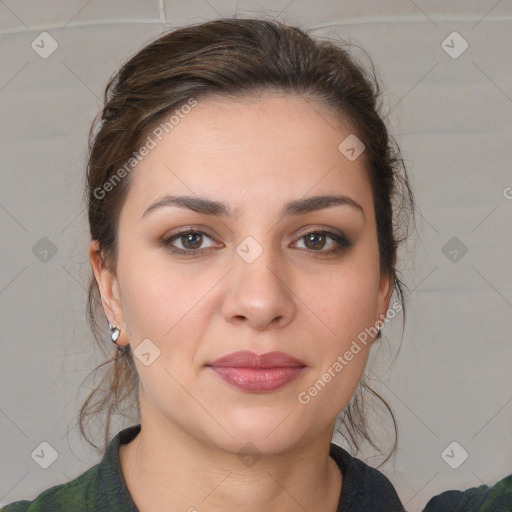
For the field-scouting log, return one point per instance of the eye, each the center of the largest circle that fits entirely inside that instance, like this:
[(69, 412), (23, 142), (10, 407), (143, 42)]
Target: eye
[(191, 241), (316, 241)]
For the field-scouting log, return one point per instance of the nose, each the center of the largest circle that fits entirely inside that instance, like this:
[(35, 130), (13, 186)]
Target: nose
[(260, 294)]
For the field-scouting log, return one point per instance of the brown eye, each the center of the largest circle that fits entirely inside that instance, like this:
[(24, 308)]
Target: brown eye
[(194, 239), (316, 241), (190, 241)]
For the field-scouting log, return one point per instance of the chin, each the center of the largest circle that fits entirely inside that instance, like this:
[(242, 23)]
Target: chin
[(260, 434)]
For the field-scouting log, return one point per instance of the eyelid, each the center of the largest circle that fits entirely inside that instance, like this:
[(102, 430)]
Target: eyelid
[(321, 228), (305, 231)]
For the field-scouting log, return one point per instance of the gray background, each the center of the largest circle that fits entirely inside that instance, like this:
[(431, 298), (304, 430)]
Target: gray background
[(451, 380)]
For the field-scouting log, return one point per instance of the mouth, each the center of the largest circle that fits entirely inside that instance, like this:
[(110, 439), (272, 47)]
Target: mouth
[(258, 373)]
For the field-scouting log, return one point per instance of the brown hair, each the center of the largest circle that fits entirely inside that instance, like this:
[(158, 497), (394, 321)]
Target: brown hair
[(233, 58)]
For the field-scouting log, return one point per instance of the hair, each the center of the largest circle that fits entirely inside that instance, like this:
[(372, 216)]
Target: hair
[(234, 59)]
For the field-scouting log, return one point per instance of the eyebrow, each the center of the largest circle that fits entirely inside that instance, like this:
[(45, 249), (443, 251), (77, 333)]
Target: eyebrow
[(219, 209)]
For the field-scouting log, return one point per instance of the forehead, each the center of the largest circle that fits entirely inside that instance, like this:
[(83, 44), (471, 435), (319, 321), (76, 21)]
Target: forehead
[(262, 150)]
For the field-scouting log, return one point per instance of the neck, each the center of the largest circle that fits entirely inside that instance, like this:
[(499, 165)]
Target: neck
[(166, 469)]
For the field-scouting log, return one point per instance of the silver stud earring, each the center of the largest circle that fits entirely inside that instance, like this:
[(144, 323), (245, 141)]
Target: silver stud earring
[(114, 333)]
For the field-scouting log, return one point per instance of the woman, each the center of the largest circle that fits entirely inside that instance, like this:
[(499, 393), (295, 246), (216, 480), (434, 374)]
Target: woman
[(244, 206)]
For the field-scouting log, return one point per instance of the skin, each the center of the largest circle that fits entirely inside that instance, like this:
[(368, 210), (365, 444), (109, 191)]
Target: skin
[(254, 154)]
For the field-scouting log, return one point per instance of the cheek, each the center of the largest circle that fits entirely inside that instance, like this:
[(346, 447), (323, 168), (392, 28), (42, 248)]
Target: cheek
[(165, 305), (345, 301), (150, 296), (145, 306)]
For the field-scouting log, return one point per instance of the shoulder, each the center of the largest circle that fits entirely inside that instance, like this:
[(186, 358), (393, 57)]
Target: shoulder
[(99, 489), (497, 498), (364, 487), (63, 497), (17, 506)]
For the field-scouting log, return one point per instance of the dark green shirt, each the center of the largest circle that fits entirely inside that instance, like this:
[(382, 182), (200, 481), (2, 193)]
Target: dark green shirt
[(102, 488)]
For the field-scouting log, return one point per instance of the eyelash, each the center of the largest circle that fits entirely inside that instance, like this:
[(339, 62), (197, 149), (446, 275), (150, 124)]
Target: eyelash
[(343, 242)]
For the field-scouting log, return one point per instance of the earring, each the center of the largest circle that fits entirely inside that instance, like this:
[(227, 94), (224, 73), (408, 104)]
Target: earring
[(114, 333), (379, 332)]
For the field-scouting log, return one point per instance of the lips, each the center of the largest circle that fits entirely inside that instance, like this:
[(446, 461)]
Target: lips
[(247, 359), (257, 373)]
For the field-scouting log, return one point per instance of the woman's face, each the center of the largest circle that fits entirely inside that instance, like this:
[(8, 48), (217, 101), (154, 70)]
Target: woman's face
[(258, 282)]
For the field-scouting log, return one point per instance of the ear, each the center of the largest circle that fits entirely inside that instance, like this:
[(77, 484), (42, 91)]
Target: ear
[(386, 285), (109, 291)]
